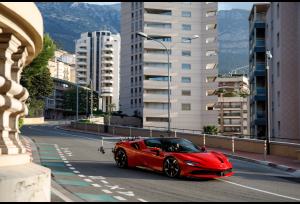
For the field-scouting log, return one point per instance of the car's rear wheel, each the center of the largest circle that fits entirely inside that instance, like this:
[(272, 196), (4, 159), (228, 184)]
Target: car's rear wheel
[(121, 158), (171, 167)]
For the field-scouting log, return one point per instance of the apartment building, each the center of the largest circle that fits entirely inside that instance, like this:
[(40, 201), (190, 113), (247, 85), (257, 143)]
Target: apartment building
[(233, 105), (193, 63), (257, 71), (283, 40), (98, 60), (62, 66)]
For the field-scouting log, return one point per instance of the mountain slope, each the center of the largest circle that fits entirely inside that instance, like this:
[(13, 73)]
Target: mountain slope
[(64, 21)]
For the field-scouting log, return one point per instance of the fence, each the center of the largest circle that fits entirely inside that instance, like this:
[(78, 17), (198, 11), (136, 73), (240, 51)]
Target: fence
[(231, 143)]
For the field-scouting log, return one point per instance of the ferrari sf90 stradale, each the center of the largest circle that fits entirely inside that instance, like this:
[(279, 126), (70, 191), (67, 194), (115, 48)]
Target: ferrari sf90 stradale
[(173, 156)]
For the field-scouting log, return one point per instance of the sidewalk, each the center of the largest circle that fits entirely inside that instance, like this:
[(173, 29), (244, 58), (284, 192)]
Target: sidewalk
[(283, 163)]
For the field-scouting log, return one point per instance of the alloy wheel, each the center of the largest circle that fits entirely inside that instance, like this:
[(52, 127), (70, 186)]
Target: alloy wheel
[(171, 167), (121, 158)]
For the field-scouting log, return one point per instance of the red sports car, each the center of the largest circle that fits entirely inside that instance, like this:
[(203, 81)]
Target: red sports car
[(173, 156)]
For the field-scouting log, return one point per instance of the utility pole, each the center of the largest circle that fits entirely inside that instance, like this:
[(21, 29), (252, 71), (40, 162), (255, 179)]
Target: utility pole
[(77, 102), (91, 99)]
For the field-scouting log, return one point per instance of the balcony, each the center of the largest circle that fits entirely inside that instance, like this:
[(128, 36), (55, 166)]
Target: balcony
[(110, 49), (149, 84), (107, 62), (107, 75), (155, 45), (107, 55), (107, 81), (107, 89), (158, 31), (110, 68), (151, 112), (163, 98)]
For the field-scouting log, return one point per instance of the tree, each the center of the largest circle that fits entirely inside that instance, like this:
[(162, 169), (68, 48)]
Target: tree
[(210, 129), (36, 78)]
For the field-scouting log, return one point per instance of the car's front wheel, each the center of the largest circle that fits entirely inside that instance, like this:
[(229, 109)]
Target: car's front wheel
[(171, 167), (121, 158)]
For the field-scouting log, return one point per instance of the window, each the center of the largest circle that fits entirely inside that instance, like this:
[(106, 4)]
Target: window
[(278, 69), (210, 92), (186, 92), (278, 98), (277, 10), (210, 53), (210, 106), (186, 66), (155, 119), (278, 122), (186, 14), (186, 53), (186, 79), (210, 79), (185, 106), (186, 40), (210, 40), (186, 27), (211, 66), (210, 26), (278, 40), (211, 13)]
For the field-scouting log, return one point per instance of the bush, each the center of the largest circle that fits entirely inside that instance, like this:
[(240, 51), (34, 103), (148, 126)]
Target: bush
[(210, 129), (21, 122)]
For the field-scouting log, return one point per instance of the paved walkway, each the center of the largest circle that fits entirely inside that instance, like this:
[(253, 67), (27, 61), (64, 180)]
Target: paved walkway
[(283, 163)]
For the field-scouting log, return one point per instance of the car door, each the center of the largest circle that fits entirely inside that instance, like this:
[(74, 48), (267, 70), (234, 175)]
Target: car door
[(152, 158)]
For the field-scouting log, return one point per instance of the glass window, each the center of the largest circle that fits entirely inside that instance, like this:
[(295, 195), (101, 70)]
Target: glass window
[(186, 53), (186, 92), (186, 40), (186, 66), (186, 27), (186, 14), (186, 79), (186, 106), (153, 143)]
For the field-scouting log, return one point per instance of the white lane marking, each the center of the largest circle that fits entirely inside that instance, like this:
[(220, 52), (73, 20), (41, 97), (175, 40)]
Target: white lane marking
[(114, 187), (119, 198), (72, 168), (96, 177), (66, 162), (106, 191), (62, 196), (96, 185), (76, 172), (69, 165), (128, 193), (255, 189), (104, 182), (142, 200), (82, 176), (88, 180)]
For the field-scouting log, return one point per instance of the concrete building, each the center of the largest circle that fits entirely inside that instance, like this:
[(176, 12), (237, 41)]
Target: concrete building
[(144, 65), (98, 59), (21, 40), (257, 73), (283, 40), (233, 105), (62, 66)]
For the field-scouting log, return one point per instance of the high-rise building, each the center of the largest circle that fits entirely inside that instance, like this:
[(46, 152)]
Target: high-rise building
[(98, 60), (62, 66), (193, 63), (257, 71), (233, 104), (283, 40)]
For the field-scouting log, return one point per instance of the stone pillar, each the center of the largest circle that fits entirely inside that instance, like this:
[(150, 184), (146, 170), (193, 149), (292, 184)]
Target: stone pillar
[(20, 180)]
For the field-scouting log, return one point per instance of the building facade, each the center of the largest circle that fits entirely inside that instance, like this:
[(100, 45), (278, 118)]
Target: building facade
[(62, 66), (193, 63), (98, 59), (283, 40), (233, 105), (257, 71)]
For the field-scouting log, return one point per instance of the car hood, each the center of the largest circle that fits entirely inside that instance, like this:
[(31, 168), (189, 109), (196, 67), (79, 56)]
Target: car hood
[(212, 160)]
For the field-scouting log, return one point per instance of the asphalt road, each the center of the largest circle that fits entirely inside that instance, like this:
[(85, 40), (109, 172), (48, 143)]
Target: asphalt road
[(79, 168)]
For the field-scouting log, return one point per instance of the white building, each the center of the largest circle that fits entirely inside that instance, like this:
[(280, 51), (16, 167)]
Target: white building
[(97, 58), (144, 67)]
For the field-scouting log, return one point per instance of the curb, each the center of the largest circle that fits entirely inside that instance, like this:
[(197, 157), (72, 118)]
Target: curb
[(292, 171)]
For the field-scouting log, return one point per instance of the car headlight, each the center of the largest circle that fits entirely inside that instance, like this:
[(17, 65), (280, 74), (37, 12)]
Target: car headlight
[(191, 163)]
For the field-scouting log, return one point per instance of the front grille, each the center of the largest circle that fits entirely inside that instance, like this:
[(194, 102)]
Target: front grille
[(212, 172)]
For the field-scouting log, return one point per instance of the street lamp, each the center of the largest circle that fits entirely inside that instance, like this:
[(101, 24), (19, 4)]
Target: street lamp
[(269, 57), (144, 35)]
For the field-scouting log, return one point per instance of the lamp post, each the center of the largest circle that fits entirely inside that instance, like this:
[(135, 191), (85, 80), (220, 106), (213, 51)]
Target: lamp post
[(144, 35), (91, 115), (269, 56)]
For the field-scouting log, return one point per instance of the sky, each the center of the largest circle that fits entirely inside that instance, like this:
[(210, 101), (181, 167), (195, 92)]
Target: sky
[(222, 5)]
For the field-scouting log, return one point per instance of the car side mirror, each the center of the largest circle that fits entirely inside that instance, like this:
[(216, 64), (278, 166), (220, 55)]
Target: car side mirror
[(203, 149)]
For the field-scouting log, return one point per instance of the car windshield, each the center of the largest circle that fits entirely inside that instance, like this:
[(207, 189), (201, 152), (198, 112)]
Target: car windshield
[(180, 145)]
